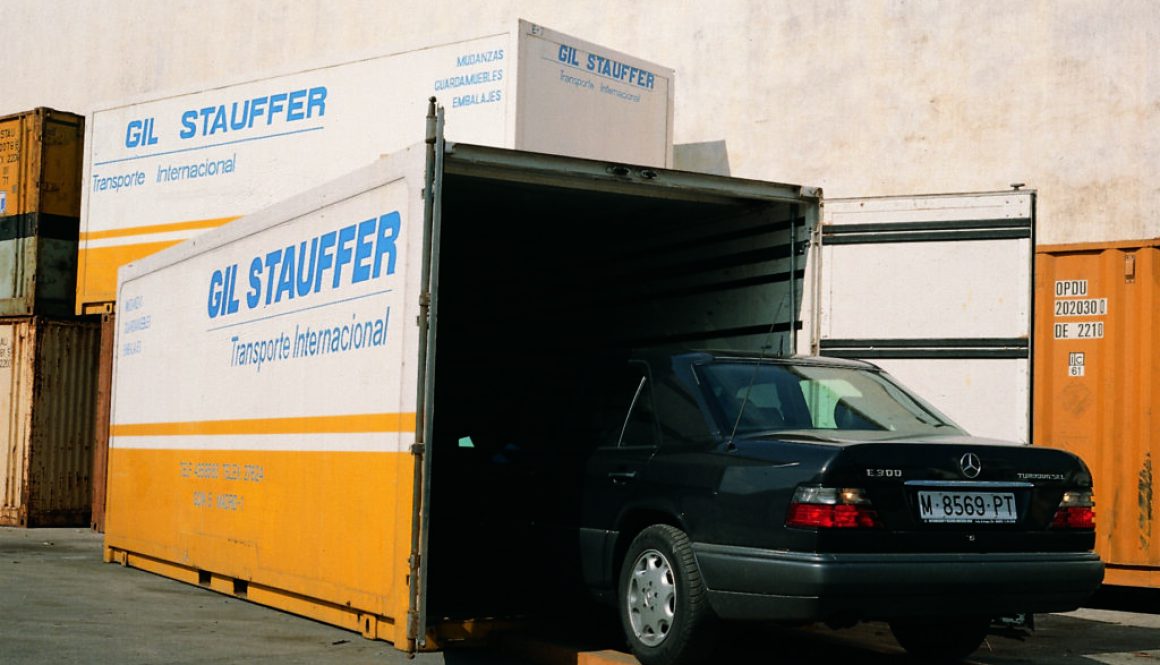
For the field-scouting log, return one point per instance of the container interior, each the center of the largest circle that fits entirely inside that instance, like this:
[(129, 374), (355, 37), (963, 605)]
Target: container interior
[(541, 287)]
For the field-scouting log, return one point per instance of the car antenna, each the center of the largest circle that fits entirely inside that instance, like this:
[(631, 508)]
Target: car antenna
[(757, 366)]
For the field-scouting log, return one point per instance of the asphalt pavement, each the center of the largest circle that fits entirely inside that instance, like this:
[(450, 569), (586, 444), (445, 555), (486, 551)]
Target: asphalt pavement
[(60, 604)]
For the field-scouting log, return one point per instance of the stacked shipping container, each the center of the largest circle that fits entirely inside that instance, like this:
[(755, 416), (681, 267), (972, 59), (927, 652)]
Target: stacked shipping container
[(41, 153), (47, 356), (47, 390)]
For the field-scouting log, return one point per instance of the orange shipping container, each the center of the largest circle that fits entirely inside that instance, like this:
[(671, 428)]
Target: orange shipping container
[(1097, 374)]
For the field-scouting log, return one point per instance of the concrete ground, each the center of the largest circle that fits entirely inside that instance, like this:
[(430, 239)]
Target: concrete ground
[(60, 604)]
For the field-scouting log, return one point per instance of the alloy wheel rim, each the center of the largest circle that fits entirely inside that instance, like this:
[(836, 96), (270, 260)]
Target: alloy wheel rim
[(651, 597)]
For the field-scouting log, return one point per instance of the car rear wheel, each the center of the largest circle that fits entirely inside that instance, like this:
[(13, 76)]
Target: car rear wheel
[(942, 641), (663, 606)]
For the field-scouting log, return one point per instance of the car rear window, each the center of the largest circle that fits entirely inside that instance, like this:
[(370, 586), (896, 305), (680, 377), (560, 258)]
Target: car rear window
[(754, 397)]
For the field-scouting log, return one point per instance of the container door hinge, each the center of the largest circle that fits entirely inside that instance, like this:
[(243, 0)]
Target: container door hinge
[(418, 449), (413, 628), (424, 309)]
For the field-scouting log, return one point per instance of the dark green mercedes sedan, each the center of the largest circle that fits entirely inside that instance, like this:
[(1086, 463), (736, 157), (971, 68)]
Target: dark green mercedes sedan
[(731, 487)]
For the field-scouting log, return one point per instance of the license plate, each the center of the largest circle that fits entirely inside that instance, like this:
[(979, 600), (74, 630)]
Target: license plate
[(967, 507)]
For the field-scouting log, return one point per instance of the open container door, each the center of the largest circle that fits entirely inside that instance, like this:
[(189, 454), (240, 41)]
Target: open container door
[(417, 634), (938, 291)]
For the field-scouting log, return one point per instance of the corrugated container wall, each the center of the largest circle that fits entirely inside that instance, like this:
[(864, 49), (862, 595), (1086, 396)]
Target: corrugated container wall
[(1096, 379), (41, 153), (48, 373)]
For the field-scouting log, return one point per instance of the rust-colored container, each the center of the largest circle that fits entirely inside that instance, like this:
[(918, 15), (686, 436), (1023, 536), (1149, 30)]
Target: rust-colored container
[(41, 153), (101, 425), (48, 371), (1097, 378)]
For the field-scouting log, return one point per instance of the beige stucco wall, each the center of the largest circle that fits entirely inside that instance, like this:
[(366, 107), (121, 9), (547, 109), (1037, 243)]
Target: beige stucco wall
[(861, 97)]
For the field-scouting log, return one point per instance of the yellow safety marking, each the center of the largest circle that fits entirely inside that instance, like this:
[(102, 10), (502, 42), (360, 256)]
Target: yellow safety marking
[(97, 269), (157, 228), (346, 424), (97, 266)]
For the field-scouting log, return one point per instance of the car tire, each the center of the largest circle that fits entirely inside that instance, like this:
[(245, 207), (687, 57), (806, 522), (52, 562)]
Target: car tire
[(940, 642), (664, 608)]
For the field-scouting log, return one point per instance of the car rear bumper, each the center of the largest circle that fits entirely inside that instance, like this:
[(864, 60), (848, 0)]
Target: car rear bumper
[(747, 583)]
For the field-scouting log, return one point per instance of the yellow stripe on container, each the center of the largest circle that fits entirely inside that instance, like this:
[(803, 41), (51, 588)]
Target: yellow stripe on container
[(97, 266), (345, 424), (171, 227)]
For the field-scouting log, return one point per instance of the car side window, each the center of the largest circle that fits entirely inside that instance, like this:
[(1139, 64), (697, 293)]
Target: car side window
[(629, 417), (683, 423)]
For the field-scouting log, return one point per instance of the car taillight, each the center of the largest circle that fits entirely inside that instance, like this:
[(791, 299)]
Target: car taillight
[(1076, 511), (831, 508)]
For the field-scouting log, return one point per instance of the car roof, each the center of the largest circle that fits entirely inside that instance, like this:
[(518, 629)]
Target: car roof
[(712, 355)]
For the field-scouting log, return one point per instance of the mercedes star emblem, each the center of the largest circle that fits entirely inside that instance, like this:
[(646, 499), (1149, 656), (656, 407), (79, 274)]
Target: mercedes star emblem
[(970, 465)]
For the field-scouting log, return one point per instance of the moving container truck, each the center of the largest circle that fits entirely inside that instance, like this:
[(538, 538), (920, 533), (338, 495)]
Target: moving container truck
[(320, 407), (1096, 384)]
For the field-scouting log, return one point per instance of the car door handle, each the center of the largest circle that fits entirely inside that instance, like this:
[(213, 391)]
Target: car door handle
[(621, 477)]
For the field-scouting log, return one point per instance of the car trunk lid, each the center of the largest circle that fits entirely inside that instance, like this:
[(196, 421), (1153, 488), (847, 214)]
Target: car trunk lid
[(962, 494)]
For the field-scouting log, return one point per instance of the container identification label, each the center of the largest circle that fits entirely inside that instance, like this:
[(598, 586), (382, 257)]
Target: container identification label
[(1079, 330), (1075, 363), (1081, 307), (1071, 288), (1073, 300)]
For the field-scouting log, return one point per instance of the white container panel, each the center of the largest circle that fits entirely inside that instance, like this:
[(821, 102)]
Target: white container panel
[(161, 171), (987, 397), (927, 290), (222, 153), (937, 289), (267, 327)]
